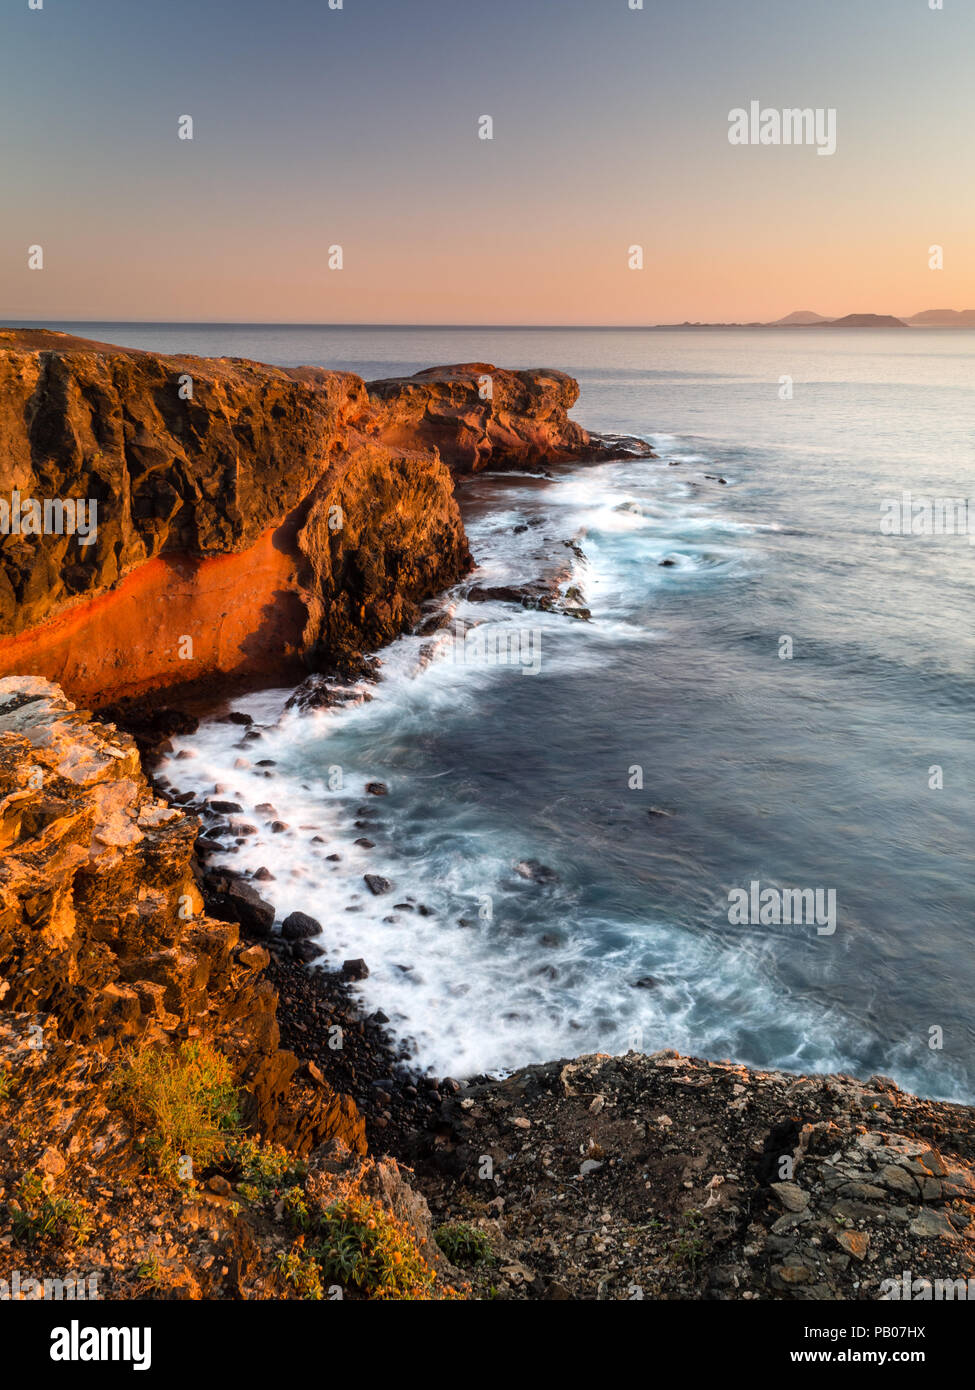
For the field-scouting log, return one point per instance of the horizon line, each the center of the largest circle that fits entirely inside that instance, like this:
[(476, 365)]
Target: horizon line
[(458, 327)]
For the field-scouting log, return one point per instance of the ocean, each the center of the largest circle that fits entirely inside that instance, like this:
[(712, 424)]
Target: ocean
[(786, 700)]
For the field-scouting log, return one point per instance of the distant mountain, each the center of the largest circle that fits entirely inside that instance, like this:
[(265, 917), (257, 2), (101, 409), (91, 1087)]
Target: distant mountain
[(805, 318), (945, 318), (863, 321), (799, 316)]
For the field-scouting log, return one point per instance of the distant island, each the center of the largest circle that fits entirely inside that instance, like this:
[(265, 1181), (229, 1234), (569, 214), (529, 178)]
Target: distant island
[(945, 318), (863, 321), (807, 318)]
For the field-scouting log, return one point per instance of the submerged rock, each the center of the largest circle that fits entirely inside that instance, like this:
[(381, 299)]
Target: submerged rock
[(327, 692), (306, 951), (536, 871)]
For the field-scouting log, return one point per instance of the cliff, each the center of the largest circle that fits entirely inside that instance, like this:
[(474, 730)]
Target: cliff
[(479, 416), (237, 520), (150, 1123), (102, 923)]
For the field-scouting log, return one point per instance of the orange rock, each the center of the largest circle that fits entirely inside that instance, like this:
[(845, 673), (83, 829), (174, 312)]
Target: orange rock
[(855, 1243)]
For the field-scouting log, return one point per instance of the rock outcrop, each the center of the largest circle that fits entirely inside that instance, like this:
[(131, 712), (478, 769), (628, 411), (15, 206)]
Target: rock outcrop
[(102, 925), (479, 416), (175, 520), (249, 520), (114, 983)]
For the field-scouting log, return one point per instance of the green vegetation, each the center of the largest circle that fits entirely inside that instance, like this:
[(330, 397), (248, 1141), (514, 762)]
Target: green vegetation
[(296, 1208), (264, 1170), (688, 1245), (184, 1102), (363, 1247), (355, 1242), (301, 1272), (150, 1270), (463, 1245), (36, 1215)]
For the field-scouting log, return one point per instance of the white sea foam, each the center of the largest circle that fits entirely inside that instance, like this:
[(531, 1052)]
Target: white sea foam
[(484, 970)]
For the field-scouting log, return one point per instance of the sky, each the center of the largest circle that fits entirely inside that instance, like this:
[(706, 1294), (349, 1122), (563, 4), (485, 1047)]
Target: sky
[(358, 127)]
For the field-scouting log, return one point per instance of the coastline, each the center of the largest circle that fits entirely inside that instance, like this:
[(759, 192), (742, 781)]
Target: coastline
[(591, 1178), (698, 1143)]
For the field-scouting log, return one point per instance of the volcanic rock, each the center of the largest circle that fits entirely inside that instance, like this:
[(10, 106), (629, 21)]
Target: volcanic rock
[(298, 924)]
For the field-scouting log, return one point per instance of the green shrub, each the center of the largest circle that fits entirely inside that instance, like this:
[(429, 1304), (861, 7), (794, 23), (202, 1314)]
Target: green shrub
[(264, 1170), (463, 1245), (37, 1215), (363, 1247), (150, 1270), (184, 1102), (301, 1272)]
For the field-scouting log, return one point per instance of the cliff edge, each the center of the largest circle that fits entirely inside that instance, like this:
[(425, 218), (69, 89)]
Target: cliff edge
[(165, 520), (155, 1139)]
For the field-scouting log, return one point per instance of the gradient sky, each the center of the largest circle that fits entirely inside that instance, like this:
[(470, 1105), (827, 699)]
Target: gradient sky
[(358, 127)]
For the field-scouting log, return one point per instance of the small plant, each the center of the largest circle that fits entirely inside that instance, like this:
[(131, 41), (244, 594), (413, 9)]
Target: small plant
[(363, 1247), (463, 1245), (296, 1208), (688, 1247), (301, 1272), (184, 1101), (265, 1169), (36, 1215), (7, 1084), (150, 1270)]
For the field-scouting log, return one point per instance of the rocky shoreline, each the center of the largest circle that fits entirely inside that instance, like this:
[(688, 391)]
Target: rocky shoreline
[(594, 1178), (251, 522), (662, 1177), (394, 1099), (187, 1110)]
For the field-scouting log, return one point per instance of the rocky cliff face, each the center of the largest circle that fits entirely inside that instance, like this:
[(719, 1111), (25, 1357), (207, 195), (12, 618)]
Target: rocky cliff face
[(107, 959), (479, 416), (237, 519), (102, 924)]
